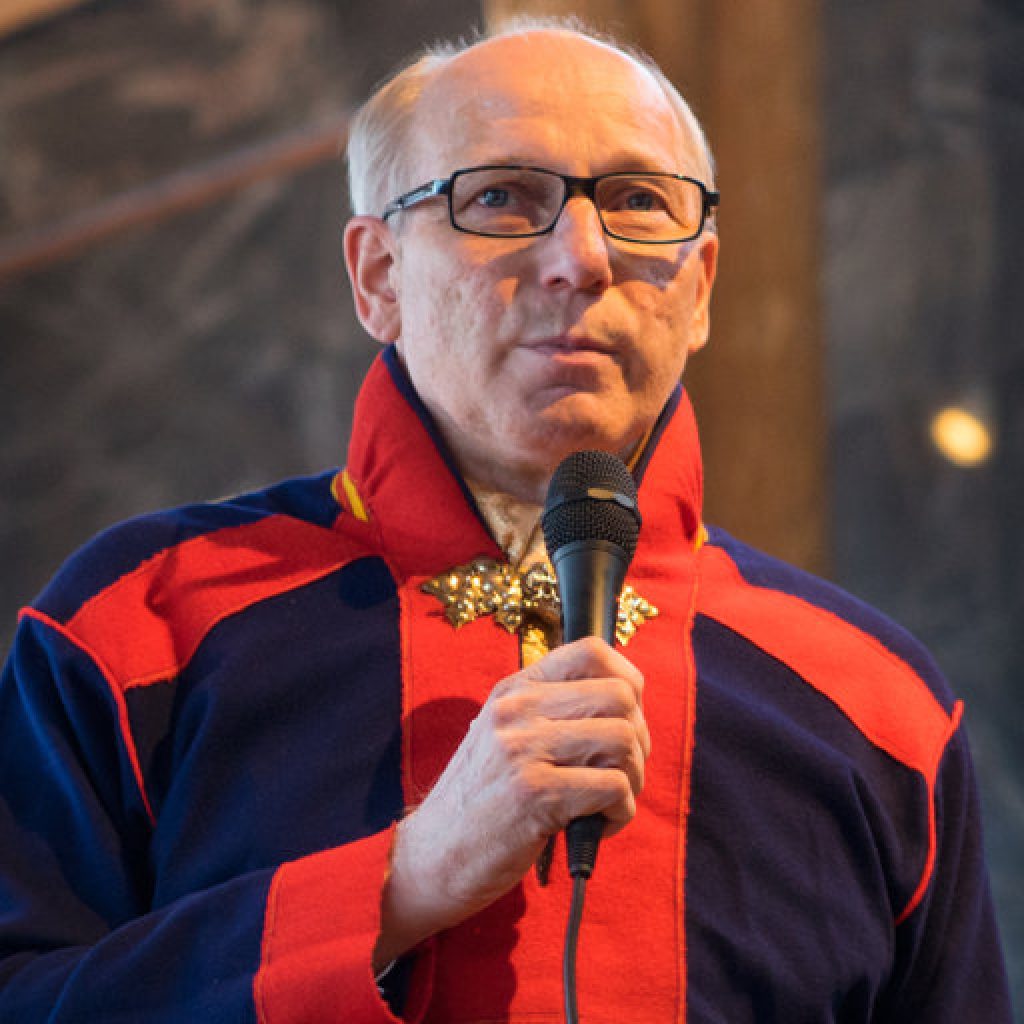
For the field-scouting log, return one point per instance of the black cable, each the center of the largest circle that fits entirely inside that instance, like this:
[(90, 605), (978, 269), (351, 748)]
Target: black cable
[(572, 934), (582, 837)]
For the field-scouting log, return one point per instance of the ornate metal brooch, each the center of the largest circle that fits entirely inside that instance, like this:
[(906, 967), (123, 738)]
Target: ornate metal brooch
[(486, 587)]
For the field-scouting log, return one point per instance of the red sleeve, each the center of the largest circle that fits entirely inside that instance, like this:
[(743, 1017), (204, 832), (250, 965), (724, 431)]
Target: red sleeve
[(311, 969)]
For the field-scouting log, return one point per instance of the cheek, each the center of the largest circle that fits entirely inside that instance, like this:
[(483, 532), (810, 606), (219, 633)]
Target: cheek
[(444, 338), (659, 356), (659, 314), (457, 322), (506, 290), (670, 309)]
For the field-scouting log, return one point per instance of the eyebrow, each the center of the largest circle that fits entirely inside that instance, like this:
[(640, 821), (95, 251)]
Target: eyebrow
[(623, 161), (508, 159)]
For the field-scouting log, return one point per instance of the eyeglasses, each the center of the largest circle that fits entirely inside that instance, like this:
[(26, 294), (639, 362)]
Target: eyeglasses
[(519, 202)]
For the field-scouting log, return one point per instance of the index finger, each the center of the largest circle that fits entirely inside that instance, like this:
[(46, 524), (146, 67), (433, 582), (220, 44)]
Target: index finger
[(587, 658)]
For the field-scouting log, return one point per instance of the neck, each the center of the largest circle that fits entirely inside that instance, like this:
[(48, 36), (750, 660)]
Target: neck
[(512, 521)]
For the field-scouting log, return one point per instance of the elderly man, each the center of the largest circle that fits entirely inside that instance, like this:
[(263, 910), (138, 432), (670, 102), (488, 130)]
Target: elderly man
[(214, 717)]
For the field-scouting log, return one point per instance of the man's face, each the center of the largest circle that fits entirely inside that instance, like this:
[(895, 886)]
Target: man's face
[(525, 350)]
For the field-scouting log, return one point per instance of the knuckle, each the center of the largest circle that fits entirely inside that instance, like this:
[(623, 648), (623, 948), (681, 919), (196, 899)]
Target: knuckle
[(645, 738), (508, 685), (532, 791), (508, 708), (593, 645), (513, 745), (624, 740), (593, 656), (628, 762), (526, 782), (623, 695), (625, 787), (637, 774), (621, 802)]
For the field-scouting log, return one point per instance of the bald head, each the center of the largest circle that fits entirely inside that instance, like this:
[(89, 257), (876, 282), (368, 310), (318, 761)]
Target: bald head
[(389, 133)]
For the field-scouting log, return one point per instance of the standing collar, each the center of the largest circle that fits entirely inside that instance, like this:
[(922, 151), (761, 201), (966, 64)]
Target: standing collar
[(404, 480)]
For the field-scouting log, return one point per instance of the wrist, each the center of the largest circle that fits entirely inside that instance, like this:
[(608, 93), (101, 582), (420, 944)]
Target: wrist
[(411, 911)]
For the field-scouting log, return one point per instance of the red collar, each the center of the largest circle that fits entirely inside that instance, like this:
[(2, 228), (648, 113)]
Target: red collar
[(402, 480)]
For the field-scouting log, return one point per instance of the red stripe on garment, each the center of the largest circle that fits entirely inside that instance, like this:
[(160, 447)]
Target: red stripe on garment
[(929, 867), (146, 626), (886, 699), (118, 697)]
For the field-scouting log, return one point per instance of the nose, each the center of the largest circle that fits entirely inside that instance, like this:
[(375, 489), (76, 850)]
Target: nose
[(575, 254)]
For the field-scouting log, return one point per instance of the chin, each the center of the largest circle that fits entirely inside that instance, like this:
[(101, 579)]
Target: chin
[(572, 433), (557, 446)]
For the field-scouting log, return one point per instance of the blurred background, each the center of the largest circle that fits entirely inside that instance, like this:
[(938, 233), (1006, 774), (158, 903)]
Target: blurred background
[(175, 324)]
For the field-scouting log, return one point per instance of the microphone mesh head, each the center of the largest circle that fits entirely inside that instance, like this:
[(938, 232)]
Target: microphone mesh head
[(592, 496)]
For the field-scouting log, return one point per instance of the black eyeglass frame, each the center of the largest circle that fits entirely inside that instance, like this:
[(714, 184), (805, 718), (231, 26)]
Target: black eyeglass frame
[(574, 186)]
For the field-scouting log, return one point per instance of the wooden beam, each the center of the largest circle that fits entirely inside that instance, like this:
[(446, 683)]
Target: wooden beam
[(175, 194), (19, 14), (760, 384)]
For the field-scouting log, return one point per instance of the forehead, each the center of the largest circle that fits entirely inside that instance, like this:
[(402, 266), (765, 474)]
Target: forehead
[(552, 98)]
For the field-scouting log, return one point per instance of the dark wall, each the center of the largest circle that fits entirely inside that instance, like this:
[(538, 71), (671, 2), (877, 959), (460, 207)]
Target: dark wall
[(196, 354), (924, 107), (212, 348)]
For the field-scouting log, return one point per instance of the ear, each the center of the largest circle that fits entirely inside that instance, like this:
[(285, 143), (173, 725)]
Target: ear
[(370, 258), (705, 254)]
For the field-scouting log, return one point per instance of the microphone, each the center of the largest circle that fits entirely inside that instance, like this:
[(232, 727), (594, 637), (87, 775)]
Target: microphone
[(591, 523)]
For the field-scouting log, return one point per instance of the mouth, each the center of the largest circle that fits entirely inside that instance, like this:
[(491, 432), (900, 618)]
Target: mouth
[(568, 346), (568, 364)]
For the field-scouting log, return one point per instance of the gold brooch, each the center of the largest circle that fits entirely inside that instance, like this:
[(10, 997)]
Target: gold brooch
[(485, 587)]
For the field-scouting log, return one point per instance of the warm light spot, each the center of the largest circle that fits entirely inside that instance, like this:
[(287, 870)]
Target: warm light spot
[(962, 437)]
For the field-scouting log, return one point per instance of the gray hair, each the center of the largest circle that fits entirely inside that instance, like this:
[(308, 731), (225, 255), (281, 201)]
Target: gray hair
[(380, 135)]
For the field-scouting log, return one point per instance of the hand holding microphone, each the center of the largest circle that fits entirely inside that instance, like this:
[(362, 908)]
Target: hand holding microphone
[(591, 523), (557, 740)]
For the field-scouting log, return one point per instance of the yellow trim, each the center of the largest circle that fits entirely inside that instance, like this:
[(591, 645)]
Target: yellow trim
[(355, 503), (702, 537)]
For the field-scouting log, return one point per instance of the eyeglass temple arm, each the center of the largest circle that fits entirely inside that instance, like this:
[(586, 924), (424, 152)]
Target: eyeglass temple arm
[(437, 187)]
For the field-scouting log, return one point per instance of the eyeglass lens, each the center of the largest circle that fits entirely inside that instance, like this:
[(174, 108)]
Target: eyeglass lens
[(512, 201)]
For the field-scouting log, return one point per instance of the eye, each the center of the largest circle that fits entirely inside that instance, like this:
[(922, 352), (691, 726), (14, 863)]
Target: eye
[(494, 198), (641, 199), (505, 201)]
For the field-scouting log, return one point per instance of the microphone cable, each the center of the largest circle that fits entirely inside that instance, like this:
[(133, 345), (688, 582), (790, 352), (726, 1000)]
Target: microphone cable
[(572, 935), (581, 842)]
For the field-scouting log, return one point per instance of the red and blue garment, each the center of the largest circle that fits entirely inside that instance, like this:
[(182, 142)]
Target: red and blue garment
[(212, 717)]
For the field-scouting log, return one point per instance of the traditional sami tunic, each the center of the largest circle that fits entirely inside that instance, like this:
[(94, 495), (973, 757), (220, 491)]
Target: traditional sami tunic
[(212, 718)]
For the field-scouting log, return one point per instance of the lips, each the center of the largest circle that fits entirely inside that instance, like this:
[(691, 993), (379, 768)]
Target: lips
[(566, 344)]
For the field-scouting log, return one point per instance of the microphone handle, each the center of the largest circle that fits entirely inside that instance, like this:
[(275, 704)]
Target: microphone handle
[(590, 577)]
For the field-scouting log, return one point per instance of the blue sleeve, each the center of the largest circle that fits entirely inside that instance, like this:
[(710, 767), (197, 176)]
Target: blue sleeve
[(82, 937), (950, 964), (79, 938)]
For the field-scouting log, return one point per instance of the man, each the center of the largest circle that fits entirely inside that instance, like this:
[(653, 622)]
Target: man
[(214, 717)]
